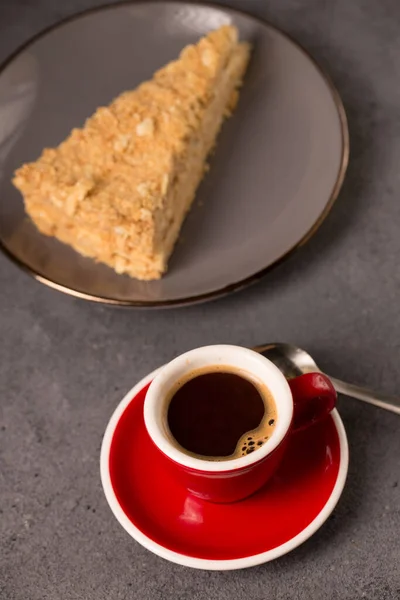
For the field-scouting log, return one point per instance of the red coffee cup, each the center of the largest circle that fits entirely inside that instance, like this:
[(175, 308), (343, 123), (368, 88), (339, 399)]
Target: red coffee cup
[(300, 403)]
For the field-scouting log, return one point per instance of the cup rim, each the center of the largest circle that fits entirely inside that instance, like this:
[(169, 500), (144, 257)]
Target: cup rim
[(238, 357)]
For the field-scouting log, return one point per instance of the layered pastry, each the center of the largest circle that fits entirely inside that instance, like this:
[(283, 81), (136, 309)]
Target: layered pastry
[(118, 189)]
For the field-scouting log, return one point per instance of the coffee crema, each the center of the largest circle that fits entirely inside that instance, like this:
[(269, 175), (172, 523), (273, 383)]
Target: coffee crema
[(219, 413)]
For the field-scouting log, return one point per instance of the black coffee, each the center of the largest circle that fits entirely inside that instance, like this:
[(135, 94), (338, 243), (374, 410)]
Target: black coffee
[(219, 414)]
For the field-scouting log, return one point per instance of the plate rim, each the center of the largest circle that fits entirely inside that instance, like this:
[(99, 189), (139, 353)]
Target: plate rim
[(204, 563), (236, 285)]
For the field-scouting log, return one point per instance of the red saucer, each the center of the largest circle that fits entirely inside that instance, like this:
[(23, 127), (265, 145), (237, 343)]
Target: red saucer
[(166, 519)]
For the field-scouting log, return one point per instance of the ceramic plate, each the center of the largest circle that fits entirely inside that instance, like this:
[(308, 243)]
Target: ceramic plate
[(277, 169), (161, 515)]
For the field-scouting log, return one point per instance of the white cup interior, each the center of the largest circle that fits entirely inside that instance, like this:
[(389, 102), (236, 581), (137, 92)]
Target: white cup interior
[(251, 364)]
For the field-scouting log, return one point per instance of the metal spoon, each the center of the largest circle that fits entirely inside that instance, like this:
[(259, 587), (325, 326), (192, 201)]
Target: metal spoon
[(294, 361)]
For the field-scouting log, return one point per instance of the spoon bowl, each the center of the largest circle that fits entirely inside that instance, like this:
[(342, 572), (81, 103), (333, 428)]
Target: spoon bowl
[(291, 360)]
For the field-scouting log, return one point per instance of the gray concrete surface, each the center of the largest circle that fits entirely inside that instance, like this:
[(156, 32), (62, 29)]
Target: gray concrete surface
[(64, 364)]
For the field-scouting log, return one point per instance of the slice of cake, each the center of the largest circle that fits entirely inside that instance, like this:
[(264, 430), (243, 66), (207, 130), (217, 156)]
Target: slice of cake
[(118, 189)]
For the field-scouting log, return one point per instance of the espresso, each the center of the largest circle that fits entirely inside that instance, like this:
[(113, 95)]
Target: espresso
[(217, 413)]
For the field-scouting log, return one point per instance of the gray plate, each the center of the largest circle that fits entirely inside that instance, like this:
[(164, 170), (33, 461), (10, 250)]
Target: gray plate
[(277, 169)]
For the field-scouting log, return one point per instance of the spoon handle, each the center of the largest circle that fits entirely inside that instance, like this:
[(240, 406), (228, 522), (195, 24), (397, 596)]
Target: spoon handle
[(355, 391)]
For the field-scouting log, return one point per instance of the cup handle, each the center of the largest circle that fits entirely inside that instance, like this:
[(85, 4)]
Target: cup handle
[(313, 397)]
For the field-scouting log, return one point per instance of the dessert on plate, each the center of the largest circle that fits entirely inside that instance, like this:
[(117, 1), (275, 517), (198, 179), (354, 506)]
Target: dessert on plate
[(119, 188)]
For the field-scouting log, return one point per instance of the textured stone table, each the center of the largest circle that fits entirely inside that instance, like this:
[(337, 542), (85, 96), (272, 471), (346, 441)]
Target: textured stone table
[(65, 364)]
